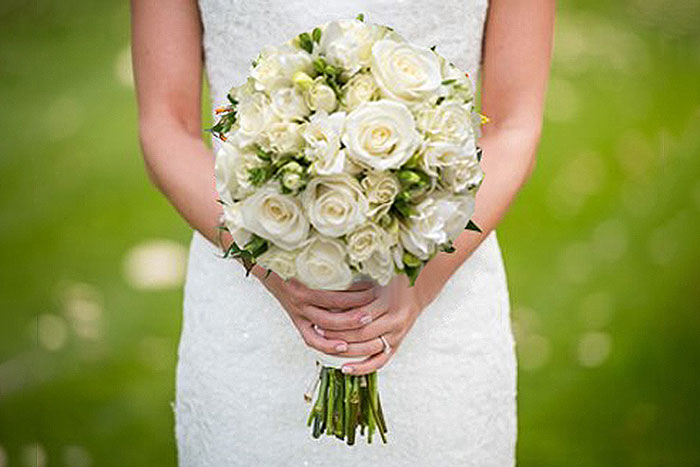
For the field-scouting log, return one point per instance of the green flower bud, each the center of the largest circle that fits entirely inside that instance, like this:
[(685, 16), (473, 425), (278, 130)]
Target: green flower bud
[(302, 80), (410, 260)]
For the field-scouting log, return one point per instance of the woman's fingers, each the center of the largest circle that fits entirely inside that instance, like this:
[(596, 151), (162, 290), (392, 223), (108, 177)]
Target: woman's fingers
[(335, 320), (314, 340), (382, 325), (370, 364), (358, 295), (366, 348)]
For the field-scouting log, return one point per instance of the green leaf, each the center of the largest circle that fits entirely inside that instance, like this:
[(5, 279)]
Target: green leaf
[(449, 249), (410, 260), (447, 82), (439, 100), (433, 48), (412, 274), (262, 154), (259, 175), (472, 226), (233, 101), (305, 42), (316, 35), (361, 17)]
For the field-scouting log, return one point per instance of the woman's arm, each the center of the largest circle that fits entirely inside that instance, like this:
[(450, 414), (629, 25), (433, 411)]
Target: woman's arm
[(517, 51), (167, 56)]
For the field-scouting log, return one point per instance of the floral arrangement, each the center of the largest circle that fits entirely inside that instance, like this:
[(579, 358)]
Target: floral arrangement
[(348, 153)]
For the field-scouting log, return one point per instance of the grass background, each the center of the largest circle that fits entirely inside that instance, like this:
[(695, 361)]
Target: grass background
[(601, 246)]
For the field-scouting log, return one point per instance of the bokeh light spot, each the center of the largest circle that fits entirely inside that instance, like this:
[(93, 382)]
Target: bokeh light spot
[(52, 331), (76, 456), (34, 455), (593, 349), (156, 264), (82, 306)]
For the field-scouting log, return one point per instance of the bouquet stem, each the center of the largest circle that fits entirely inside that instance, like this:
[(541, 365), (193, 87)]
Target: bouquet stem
[(344, 403)]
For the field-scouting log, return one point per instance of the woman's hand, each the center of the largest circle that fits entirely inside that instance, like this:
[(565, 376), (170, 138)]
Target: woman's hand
[(329, 310), (404, 304)]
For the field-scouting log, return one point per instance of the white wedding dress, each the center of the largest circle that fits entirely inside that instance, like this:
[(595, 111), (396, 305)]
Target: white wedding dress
[(449, 392)]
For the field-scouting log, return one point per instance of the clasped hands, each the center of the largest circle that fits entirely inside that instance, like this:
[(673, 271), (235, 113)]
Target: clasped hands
[(350, 323)]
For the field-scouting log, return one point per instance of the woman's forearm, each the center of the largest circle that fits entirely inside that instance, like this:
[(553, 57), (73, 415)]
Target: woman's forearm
[(182, 167), (507, 163)]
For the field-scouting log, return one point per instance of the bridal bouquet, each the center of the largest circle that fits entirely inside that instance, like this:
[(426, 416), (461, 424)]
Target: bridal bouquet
[(348, 153)]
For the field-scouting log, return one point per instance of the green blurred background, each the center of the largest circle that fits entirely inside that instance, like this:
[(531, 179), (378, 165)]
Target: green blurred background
[(601, 248)]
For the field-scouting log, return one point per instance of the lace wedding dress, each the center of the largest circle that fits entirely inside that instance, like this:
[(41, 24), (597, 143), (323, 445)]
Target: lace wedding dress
[(449, 391)]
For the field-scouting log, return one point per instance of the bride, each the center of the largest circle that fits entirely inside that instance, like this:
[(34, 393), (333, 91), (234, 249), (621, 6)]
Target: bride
[(448, 381)]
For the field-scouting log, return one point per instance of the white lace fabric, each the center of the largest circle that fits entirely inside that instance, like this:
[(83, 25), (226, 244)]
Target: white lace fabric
[(449, 391)]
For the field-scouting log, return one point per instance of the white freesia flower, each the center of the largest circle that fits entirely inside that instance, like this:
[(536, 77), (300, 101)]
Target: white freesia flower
[(348, 43), (288, 103), (451, 121), (322, 265), (253, 116), (275, 217), (231, 170), (381, 189), (463, 176), (233, 220), (440, 154), (379, 266), (279, 261), (335, 204), (458, 86), (405, 72), (435, 222), (364, 241), (319, 96), (322, 135), (381, 135), (283, 137), (359, 89), (277, 66)]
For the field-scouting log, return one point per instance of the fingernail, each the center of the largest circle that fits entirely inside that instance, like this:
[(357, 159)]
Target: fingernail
[(346, 369), (342, 347), (366, 319), (319, 331)]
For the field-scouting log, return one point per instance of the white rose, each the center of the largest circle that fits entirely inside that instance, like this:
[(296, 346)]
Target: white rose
[(464, 175), (335, 204), (381, 189), (275, 217), (435, 222), (231, 171), (277, 66), (319, 96), (322, 265), (322, 135), (253, 115), (405, 72), (450, 121), (283, 137), (360, 89), (233, 220), (347, 44), (380, 266), (288, 103), (364, 241), (381, 135), (279, 261)]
